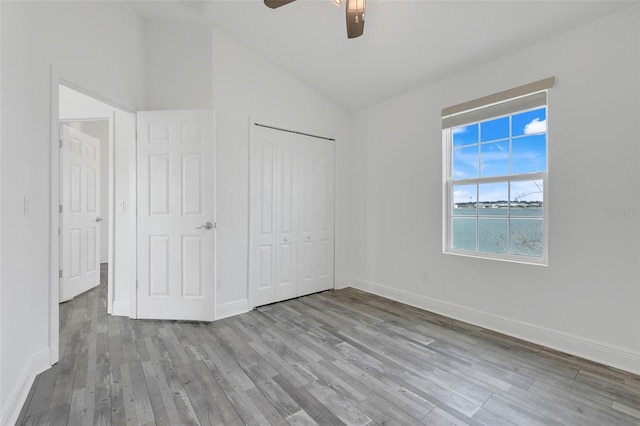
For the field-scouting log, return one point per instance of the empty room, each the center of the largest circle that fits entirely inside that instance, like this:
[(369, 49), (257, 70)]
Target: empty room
[(334, 212)]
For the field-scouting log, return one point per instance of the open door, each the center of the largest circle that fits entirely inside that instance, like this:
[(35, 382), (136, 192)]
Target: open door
[(176, 224), (80, 212)]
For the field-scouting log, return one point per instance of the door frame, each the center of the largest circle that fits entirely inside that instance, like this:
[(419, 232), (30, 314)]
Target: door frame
[(55, 80)]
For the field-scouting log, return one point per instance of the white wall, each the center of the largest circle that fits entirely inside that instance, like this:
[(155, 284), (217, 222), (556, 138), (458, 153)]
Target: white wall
[(587, 301), (78, 38), (178, 61), (244, 85)]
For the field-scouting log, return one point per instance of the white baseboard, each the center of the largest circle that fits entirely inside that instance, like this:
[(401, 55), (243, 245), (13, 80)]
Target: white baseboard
[(11, 410), (602, 353), (120, 309), (232, 308)]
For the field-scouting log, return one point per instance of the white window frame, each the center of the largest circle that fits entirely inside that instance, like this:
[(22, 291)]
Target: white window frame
[(449, 182)]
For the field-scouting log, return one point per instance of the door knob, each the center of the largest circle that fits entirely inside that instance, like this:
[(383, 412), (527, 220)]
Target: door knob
[(98, 219), (286, 239), (208, 226)]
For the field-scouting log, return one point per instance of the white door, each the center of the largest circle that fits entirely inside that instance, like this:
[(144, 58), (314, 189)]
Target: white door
[(273, 216), (316, 215), (80, 210), (176, 224)]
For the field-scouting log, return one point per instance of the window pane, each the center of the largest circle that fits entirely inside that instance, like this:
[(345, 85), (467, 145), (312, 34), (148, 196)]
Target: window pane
[(530, 122), (525, 237), (465, 162), (529, 154), (465, 135), (464, 200), (494, 129), (464, 233), (527, 198), (493, 199), (492, 235), (494, 159)]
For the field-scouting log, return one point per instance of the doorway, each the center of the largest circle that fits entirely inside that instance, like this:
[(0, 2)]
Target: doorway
[(72, 104)]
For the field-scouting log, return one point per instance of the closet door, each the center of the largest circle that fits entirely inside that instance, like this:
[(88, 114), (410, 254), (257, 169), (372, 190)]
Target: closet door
[(316, 215), (273, 216), (286, 217)]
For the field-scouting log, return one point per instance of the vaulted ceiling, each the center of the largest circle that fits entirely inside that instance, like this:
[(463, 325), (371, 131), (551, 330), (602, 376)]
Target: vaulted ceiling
[(406, 44)]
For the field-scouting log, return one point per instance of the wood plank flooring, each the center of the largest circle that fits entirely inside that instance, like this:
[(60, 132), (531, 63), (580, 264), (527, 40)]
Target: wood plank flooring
[(334, 358)]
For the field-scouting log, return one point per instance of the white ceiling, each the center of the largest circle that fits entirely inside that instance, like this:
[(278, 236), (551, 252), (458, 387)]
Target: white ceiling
[(406, 43)]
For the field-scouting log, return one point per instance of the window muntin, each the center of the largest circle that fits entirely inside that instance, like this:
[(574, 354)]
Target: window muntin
[(496, 174)]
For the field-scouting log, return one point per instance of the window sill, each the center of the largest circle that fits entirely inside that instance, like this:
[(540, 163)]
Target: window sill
[(502, 258)]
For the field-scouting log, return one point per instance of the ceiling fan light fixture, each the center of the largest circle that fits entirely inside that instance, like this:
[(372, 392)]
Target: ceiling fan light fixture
[(356, 6), (355, 18), (355, 14)]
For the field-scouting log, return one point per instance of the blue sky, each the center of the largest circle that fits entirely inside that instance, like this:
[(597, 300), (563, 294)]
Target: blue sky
[(491, 138)]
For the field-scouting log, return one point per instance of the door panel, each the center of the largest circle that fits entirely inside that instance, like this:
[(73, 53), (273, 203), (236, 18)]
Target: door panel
[(80, 200), (262, 163), (175, 200), (192, 184), (325, 214), (308, 237), (286, 214), (272, 216), (316, 215)]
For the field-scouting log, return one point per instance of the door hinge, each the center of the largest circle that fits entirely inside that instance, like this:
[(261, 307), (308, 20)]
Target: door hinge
[(60, 273), (60, 208), (215, 225), (136, 284), (60, 140)]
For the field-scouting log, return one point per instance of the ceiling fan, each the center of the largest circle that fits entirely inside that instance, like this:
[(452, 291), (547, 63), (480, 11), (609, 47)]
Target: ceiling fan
[(355, 14)]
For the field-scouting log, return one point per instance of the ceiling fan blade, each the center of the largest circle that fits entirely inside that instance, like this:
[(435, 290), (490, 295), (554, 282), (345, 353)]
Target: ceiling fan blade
[(355, 18), (274, 4)]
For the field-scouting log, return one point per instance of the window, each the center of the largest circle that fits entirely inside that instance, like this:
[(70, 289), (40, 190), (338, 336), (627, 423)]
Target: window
[(495, 156)]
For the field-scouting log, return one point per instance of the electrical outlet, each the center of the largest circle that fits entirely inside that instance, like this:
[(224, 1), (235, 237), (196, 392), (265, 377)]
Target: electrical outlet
[(425, 277), (26, 206)]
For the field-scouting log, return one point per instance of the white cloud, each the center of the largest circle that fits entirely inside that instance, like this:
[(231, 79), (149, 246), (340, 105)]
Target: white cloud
[(459, 130), (536, 126), (528, 190), (464, 194)]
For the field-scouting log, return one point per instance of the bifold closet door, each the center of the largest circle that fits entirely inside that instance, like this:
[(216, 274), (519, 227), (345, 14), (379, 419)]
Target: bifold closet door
[(273, 236), (291, 231), (316, 214)]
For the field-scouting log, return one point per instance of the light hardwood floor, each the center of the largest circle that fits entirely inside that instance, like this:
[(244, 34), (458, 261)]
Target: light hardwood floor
[(338, 357)]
